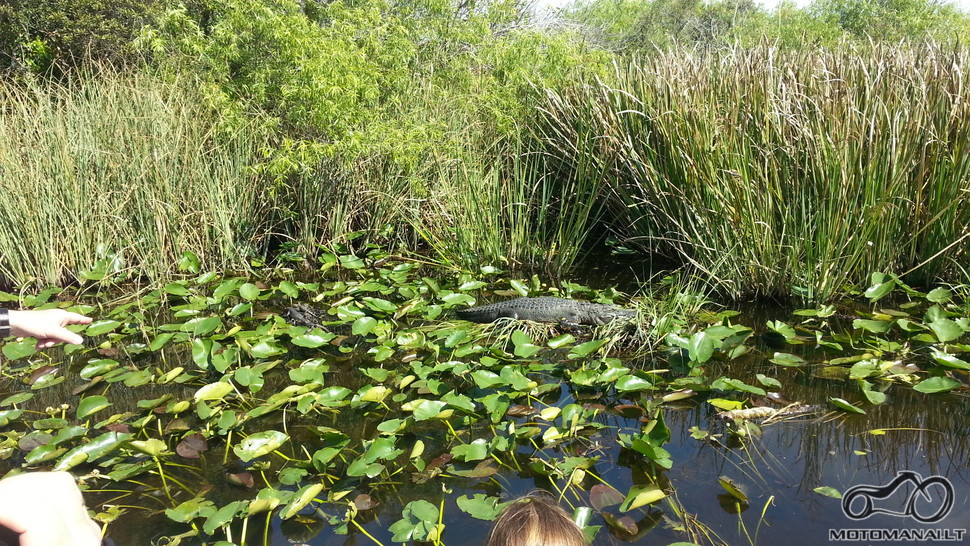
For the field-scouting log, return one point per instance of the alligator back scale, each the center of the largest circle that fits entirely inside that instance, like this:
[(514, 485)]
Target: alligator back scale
[(547, 309)]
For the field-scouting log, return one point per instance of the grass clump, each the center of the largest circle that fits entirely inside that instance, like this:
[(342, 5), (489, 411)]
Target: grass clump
[(774, 172), (124, 168)]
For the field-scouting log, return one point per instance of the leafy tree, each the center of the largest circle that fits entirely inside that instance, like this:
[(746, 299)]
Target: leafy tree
[(56, 34)]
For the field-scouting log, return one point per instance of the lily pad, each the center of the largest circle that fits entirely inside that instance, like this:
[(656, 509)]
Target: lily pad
[(259, 444)]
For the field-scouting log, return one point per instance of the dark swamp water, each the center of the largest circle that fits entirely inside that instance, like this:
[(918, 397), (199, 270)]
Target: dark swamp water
[(778, 465)]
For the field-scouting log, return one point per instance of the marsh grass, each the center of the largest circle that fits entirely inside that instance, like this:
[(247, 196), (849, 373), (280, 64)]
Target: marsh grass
[(127, 167), (508, 206), (777, 172)]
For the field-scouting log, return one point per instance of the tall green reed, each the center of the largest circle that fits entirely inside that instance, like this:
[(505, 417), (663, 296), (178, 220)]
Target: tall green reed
[(123, 166), (780, 172)]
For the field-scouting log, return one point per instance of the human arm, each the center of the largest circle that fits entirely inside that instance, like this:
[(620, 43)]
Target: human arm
[(48, 326), (46, 509)]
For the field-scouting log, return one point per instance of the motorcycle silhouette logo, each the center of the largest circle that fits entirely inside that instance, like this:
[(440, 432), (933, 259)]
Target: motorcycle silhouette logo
[(922, 489)]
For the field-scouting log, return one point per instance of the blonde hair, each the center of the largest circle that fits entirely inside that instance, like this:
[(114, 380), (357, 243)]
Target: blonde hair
[(535, 520)]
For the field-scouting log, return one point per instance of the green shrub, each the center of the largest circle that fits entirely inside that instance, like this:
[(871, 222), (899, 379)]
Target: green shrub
[(53, 35)]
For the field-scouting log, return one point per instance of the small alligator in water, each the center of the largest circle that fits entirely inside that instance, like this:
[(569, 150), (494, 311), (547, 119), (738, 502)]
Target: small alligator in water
[(547, 309), (302, 314)]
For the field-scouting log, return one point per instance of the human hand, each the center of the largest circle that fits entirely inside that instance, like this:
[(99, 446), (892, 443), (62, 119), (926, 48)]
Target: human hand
[(47, 326), (47, 509)]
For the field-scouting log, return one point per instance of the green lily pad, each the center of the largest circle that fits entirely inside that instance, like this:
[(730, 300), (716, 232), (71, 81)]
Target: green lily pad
[(90, 405), (259, 444)]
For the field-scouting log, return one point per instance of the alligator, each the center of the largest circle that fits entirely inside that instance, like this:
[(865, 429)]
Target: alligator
[(767, 413), (302, 314), (548, 309)]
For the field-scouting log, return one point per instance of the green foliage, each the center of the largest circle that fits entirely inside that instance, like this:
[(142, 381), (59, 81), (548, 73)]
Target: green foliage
[(57, 34), (641, 26)]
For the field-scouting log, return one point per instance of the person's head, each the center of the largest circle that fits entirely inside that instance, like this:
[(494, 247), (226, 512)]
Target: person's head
[(535, 520)]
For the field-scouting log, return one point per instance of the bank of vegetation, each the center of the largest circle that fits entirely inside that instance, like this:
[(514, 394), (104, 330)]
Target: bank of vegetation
[(790, 152)]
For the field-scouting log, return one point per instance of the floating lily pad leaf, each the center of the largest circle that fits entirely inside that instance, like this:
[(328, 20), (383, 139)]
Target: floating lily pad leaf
[(828, 492), (941, 358), (514, 378), (201, 326), (214, 391), (733, 488), (99, 327), (874, 397), (266, 500), (259, 444), (475, 451), (107, 442), (20, 349), (51, 423), (177, 289), (629, 383), (520, 287), (360, 467), (427, 409), (728, 384), (302, 498), (350, 261), (223, 517), (266, 349), (191, 509), (936, 384), (701, 347), (191, 446), (768, 381), (160, 341), (90, 405), (524, 346), (239, 309), (724, 404), (471, 285), (481, 506), (363, 326), (486, 379), (43, 454), (289, 288), (625, 524), (602, 495), (783, 329), (8, 416), (483, 469), (419, 522), (249, 291), (379, 304), (375, 393), (15, 399), (48, 379), (945, 329), (879, 290), (349, 313), (641, 495), (331, 396), (874, 326), (457, 298), (152, 447), (843, 405), (561, 341), (939, 295), (787, 359), (586, 349)]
